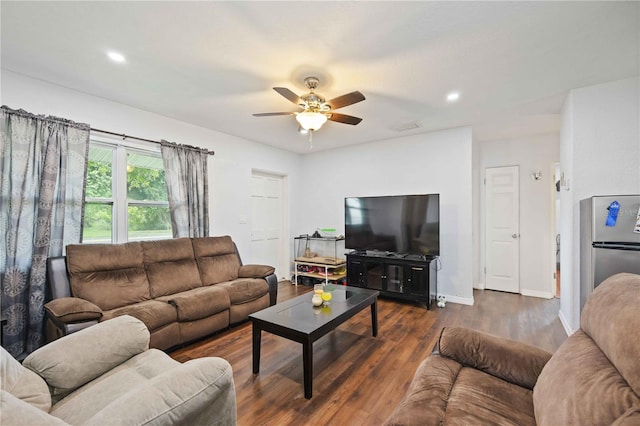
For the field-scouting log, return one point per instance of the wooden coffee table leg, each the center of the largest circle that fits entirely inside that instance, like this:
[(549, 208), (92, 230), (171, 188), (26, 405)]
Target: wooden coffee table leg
[(374, 317), (307, 366), (257, 337)]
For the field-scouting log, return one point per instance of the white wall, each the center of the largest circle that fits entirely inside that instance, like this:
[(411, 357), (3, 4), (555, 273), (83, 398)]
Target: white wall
[(537, 229), (229, 169), (600, 155), (438, 162)]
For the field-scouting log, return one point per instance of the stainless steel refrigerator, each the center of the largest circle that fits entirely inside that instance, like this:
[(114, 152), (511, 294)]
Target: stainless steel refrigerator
[(609, 239)]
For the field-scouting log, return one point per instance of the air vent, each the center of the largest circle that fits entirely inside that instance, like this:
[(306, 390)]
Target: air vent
[(406, 126)]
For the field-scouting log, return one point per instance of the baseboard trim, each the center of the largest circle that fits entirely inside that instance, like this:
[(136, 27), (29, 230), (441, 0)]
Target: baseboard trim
[(565, 323), (540, 294), (480, 286), (458, 300)]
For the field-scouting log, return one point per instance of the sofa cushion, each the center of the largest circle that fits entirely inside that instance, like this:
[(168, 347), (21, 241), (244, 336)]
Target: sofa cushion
[(85, 402), (68, 363), (153, 313), (213, 246), (480, 398), (240, 312), (611, 329), (108, 275), (23, 383), (151, 389), (171, 266), (245, 290), (217, 259), (444, 392), (199, 303), (202, 392), (579, 385), (72, 309)]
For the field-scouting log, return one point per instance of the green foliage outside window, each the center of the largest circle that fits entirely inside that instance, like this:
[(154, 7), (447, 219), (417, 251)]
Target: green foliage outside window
[(145, 184), (98, 180)]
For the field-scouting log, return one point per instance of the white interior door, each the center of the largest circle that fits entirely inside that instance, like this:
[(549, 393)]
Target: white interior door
[(267, 221), (502, 229)]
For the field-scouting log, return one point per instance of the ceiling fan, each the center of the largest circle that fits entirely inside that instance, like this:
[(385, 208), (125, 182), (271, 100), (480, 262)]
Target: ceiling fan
[(315, 109)]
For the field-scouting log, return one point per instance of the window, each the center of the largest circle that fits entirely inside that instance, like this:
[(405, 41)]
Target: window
[(126, 195)]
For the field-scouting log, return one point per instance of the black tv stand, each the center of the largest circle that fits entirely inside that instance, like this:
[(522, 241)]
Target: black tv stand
[(401, 276)]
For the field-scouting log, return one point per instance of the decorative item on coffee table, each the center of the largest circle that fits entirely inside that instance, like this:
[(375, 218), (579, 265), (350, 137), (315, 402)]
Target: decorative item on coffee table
[(316, 299)]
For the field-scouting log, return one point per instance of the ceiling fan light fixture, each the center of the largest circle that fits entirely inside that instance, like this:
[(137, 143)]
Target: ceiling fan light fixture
[(310, 120)]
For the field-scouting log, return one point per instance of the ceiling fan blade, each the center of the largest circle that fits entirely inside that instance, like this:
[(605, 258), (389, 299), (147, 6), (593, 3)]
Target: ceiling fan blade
[(343, 118), (268, 114), (344, 100), (288, 94)]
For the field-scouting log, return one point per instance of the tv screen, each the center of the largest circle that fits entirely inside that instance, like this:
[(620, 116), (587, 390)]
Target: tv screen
[(402, 224)]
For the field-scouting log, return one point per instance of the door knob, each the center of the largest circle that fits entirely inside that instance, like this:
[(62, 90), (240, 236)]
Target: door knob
[(514, 235)]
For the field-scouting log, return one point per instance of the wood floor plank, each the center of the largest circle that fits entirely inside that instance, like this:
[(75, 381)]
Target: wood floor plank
[(358, 378)]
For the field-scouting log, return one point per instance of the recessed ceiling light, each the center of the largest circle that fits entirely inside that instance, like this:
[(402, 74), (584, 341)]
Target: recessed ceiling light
[(453, 96), (116, 57)]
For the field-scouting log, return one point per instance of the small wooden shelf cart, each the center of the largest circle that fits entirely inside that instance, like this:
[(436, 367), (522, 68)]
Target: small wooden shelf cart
[(319, 259)]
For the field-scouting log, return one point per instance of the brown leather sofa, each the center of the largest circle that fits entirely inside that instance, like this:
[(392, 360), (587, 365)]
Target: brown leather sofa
[(593, 378), (181, 289)]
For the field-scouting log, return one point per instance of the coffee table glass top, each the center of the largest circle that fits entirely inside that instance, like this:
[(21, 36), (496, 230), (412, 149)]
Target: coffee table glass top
[(299, 313)]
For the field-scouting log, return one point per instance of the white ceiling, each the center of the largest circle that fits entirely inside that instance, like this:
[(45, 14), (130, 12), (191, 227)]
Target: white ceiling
[(213, 64)]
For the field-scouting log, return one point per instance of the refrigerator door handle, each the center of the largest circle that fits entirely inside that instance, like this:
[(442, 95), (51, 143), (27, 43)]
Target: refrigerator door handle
[(616, 246)]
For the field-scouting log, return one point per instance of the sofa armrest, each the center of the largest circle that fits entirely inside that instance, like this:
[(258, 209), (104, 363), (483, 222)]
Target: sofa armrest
[(272, 282), (200, 391), (255, 271), (509, 360), (69, 310), (76, 359), (262, 271)]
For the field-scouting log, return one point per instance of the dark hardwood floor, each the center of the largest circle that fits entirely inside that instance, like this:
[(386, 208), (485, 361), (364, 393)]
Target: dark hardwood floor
[(359, 379)]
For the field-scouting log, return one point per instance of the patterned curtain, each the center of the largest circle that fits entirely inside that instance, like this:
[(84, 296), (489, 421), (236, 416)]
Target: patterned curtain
[(42, 166), (185, 169)]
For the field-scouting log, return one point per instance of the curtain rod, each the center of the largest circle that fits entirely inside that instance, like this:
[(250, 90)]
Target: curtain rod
[(123, 136)]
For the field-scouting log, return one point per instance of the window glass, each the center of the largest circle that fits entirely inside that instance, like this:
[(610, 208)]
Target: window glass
[(149, 222), (145, 178), (100, 172), (126, 195), (98, 223)]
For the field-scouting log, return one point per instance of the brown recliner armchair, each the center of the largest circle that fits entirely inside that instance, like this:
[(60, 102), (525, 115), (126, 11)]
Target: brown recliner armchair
[(592, 379)]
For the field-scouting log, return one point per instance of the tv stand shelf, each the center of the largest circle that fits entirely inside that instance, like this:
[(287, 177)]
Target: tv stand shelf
[(407, 277)]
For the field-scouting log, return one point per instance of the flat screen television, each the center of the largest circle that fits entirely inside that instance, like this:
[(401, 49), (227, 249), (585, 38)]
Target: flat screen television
[(401, 224)]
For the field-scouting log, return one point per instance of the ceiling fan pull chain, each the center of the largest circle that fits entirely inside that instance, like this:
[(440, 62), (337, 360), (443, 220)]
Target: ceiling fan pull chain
[(310, 139)]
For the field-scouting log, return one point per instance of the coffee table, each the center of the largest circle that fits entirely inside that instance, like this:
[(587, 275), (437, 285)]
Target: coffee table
[(298, 320)]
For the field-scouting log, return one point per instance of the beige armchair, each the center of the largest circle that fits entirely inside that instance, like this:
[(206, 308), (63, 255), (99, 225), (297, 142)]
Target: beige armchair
[(107, 375)]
